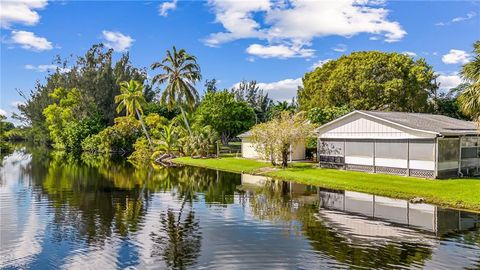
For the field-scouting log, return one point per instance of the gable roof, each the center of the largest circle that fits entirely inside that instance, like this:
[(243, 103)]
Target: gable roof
[(245, 134), (431, 123)]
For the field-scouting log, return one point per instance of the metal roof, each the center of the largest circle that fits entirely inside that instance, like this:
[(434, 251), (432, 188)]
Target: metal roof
[(439, 124)]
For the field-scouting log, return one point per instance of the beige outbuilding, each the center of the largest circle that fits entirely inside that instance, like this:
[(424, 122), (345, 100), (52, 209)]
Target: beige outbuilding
[(297, 151)]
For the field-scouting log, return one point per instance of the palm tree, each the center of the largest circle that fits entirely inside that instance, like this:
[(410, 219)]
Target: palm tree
[(470, 98), (180, 72), (168, 138), (131, 99)]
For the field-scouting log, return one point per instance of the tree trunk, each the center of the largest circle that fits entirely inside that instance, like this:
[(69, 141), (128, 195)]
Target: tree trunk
[(186, 121), (285, 152), (144, 128), (272, 158)]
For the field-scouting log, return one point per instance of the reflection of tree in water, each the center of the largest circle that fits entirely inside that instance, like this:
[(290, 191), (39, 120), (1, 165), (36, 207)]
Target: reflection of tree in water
[(179, 240), (271, 202)]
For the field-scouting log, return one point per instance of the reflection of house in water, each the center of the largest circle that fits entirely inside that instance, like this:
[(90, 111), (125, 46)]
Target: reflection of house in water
[(368, 214), (421, 216)]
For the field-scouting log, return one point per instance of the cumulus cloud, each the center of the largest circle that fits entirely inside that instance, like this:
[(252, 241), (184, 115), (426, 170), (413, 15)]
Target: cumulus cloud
[(117, 41), (467, 17), (166, 6), (278, 51), (320, 63), (448, 82), (30, 41), (299, 22), (455, 57), (45, 68), (21, 12)]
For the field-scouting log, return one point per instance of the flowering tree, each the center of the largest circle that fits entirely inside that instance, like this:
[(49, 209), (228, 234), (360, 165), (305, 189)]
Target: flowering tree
[(274, 138)]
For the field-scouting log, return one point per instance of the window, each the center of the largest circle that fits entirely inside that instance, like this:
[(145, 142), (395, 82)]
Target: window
[(422, 150), (359, 148), (393, 149)]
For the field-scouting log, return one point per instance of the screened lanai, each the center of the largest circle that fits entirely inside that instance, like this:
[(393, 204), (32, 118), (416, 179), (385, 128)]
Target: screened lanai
[(421, 145)]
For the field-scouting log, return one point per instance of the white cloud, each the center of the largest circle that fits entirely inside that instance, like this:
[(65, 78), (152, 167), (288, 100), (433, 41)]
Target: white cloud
[(282, 90), (297, 23), (166, 6), (117, 41), (467, 17), (45, 68), (21, 12), (320, 63), (3, 112), (340, 48), (412, 54), (448, 82), (278, 51), (455, 57), (30, 41)]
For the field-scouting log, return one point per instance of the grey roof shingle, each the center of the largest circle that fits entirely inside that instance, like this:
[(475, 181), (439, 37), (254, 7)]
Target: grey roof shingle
[(441, 124)]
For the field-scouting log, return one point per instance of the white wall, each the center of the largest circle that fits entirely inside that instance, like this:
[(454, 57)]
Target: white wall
[(248, 150), (361, 126)]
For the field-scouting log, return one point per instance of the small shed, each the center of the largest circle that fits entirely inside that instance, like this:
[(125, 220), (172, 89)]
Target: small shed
[(297, 151), (413, 144)]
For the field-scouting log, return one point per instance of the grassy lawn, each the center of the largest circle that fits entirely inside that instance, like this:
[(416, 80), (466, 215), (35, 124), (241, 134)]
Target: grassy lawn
[(457, 193), (227, 163)]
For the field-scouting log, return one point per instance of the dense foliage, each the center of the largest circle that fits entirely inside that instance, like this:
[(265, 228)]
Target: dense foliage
[(370, 81), (225, 114), (95, 76), (274, 138), (100, 105)]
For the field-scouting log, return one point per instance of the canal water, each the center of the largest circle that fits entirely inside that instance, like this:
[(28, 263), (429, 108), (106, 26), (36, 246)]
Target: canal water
[(64, 212)]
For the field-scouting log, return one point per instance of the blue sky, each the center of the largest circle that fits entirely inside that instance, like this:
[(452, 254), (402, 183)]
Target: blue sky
[(272, 41)]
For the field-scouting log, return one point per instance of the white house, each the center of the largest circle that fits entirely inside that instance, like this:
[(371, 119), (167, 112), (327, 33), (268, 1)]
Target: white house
[(415, 144), (297, 151)]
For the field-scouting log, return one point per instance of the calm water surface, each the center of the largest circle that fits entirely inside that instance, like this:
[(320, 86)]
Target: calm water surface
[(90, 213)]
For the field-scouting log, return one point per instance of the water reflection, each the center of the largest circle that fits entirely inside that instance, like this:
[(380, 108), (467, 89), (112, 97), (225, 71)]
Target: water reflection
[(61, 211)]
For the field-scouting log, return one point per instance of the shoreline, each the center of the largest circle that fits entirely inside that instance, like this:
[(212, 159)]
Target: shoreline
[(458, 193)]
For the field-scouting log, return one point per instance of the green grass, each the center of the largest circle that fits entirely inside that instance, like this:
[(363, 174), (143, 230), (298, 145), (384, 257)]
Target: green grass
[(227, 163), (457, 193)]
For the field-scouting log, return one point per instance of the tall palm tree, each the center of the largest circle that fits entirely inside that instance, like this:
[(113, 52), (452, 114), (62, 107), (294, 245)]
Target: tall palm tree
[(131, 99), (180, 71), (470, 98)]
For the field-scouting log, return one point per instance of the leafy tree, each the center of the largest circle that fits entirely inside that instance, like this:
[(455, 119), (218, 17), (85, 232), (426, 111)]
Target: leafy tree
[(180, 72), (251, 93), (118, 138), (281, 106), (62, 113), (370, 80), (131, 100), (274, 138), (225, 114), (470, 98), (321, 116), (95, 75)]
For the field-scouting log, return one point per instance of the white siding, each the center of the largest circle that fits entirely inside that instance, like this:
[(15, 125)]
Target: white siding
[(391, 162), (248, 149), (298, 151), (366, 127)]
